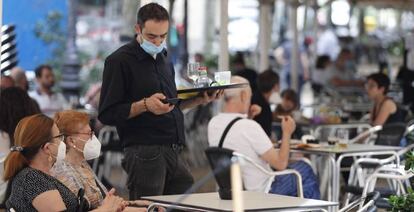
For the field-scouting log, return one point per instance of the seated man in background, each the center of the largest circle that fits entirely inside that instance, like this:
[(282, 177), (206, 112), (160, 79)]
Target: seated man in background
[(322, 73), (20, 78), (248, 138), (343, 73), (49, 101)]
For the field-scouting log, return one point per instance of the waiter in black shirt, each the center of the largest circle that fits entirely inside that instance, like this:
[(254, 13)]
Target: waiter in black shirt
[(136, 78)]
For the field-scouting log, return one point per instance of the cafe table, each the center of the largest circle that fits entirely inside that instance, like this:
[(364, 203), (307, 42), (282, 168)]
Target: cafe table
[(335, 154), (252, 201)]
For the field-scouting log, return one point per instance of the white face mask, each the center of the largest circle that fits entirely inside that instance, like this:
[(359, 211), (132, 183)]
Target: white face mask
[(61, 154), (92, 148), (275, 98)]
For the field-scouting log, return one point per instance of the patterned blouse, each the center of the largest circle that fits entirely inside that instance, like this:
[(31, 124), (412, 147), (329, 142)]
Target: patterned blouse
[(30, 183), (80, 176)]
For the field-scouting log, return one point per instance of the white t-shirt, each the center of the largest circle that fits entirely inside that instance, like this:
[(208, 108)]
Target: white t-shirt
[(4, 144), (248, 138), (342, 75), (322, 77), (49, 105), (328, 44)]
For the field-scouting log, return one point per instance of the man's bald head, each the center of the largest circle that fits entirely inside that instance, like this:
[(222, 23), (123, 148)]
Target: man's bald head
[(235, 92), (237, 100), (19, 78)]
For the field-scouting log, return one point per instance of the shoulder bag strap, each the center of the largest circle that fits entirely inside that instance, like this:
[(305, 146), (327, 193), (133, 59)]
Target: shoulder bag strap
[(223, 136)]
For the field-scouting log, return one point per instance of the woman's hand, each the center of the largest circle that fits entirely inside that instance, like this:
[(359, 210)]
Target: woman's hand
[(112, 202), (143, 203)]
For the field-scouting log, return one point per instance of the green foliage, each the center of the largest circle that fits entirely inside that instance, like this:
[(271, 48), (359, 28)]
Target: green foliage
[(410, 136), (51, 33), (409, 161), (396, 48), (211, 61), (92, 69), (404, 203)]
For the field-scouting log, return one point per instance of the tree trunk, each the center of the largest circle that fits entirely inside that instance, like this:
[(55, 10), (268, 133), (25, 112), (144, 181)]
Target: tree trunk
[(224, 43), (294, 57), (265, 31), (170, 11), (129, 17), (209, 26), (184, 56), (70, 83)]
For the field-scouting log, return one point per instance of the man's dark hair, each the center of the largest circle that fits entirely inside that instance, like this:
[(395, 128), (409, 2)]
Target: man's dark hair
[(239, 59), (322, 61), (291, 95), (267, 80), (151, 11), (382, 81), (39, 70)]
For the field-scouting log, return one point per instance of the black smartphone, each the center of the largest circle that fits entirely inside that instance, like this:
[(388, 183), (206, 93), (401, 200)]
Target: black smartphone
[(171, 101)]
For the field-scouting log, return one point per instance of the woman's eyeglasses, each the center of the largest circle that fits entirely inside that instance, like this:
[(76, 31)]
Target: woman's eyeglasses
[(90, 134), (60, 137)]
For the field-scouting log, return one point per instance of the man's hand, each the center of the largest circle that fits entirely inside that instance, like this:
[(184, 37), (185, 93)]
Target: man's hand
[(206, 98), (288, 125), (155, 106), (202, 99), (254, 110)]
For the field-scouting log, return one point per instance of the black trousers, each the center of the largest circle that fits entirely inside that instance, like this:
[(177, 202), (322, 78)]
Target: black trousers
[(155, 170)]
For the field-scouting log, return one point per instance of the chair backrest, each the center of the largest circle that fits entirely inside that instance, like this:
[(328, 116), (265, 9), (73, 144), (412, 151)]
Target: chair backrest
[(220, 160), (410, 132), (368, 203), (323, 132), (106, 134), (391, 134)]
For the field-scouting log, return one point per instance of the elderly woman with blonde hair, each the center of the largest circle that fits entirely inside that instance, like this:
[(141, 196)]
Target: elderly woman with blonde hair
[(74, 171)]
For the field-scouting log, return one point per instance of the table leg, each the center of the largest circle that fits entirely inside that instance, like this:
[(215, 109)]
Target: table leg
[(333, 187)]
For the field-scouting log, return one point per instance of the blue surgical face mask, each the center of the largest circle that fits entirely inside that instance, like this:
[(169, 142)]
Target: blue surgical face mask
[(151, 48)]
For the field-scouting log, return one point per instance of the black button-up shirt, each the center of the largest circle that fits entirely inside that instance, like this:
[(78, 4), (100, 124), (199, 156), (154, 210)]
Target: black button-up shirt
[(131, 74)]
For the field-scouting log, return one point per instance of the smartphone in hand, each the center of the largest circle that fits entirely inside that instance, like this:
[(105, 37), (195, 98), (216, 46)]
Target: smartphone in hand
[(171, 101)]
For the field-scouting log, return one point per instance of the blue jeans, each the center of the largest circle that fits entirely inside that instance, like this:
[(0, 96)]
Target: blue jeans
[(286, 184)]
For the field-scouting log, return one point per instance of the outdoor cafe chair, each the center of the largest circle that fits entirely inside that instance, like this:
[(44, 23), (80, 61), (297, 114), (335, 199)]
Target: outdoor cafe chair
[(220, 160)]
